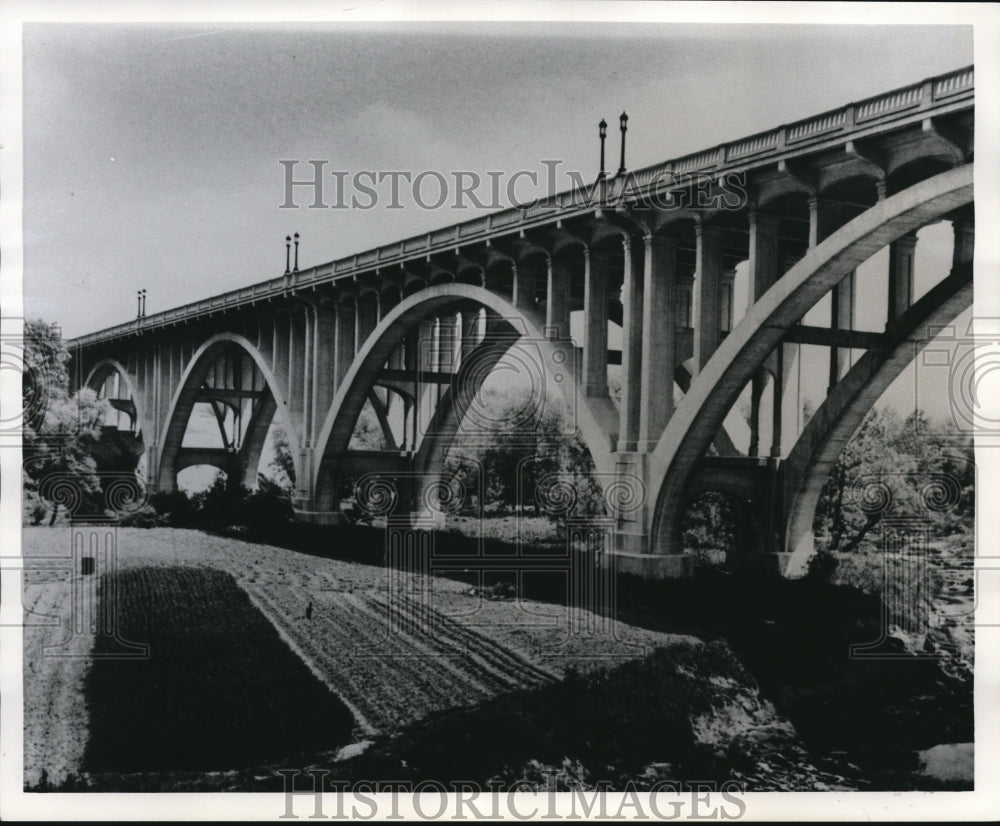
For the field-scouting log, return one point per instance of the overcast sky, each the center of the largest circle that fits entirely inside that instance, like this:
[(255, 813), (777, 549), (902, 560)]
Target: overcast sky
[(152, 151)]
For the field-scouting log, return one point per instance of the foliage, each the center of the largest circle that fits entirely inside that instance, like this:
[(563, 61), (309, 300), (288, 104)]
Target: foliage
[(69, 458), (221, 506), (281, 468), (894, 468), (526, 456), (709, 527)]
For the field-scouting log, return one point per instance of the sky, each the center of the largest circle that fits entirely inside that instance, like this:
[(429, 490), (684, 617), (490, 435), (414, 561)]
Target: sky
[(152, 153)]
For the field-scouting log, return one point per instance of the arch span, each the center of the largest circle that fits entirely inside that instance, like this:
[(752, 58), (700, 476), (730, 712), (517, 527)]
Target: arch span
[(183, 403), (815, 452), (596, 417), (702, 411), (106, 367)]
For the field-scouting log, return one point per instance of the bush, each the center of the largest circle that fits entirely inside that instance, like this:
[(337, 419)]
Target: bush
[(145, 517), (176, 508)]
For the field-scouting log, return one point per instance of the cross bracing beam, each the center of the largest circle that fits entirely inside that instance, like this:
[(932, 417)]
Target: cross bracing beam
[(833, 337)]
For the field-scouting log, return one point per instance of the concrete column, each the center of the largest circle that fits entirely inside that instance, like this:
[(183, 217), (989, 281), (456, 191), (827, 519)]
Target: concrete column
[(965, 242), (727, 288), (296, 371), (557, 296), (410, 350), (659, 350), (368, 315), (389, 298), (447, 339), (764, 264), (344, 355), (425, 394), (595, 332), (326, 377), (708, 271), (524, 286), (841, 318), (776, 409), (448, 336), (632, 329), (309, 374), (756, 391), (826, 217), (470, 332), (901, 258)]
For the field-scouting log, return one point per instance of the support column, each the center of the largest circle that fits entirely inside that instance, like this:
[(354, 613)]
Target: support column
[(595, 333), (684, 323), (708, 271), (776, 408), (470, 332), (447, 338), (965, 242), (659, 345), (368, 315), (756, 391), (727, 288), (763, 265), (632, 327), (410, 348), (557, 296), (841, 318), (524, 286), (426, 362), (344, 355), (901, 258), (826, 216), (326, 368)]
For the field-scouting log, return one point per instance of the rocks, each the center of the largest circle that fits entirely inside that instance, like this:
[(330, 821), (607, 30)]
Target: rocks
[(948, 763)]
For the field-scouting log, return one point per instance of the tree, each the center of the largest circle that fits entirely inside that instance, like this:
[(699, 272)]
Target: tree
[(60, 432), (524, 450), (894, 467)]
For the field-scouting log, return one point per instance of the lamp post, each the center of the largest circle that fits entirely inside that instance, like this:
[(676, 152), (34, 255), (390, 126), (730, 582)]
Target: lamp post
[(296, 236), (623, 125), (138, 303), (143, 303), (288, 252), (602, 131)]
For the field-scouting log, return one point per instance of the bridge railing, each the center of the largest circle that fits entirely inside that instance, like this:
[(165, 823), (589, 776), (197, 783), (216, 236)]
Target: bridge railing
[(739, 153)]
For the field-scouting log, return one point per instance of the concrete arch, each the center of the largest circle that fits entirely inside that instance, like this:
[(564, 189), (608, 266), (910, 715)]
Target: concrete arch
[(183, 402), (450, 411), (101, 371), (816, 451), (715, 389), (596, 418)]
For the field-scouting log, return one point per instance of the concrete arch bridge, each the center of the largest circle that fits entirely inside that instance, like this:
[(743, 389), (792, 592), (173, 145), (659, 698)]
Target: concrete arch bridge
[(718, 270)]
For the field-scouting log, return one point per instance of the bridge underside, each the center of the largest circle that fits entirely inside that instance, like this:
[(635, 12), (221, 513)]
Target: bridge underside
[(695, 399)]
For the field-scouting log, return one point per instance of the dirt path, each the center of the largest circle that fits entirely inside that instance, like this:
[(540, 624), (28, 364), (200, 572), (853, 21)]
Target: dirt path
[(393, 649)]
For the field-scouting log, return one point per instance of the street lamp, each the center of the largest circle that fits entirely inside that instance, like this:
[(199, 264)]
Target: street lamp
[(623, 123), (288, 252), (296, 236), (602, 131)]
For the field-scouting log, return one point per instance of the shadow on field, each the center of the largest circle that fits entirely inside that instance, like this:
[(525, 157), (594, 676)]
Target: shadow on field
[(793, 636), (220, 689)]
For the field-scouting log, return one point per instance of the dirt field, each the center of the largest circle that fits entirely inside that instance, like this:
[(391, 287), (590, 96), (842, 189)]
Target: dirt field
[(394, 649)]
